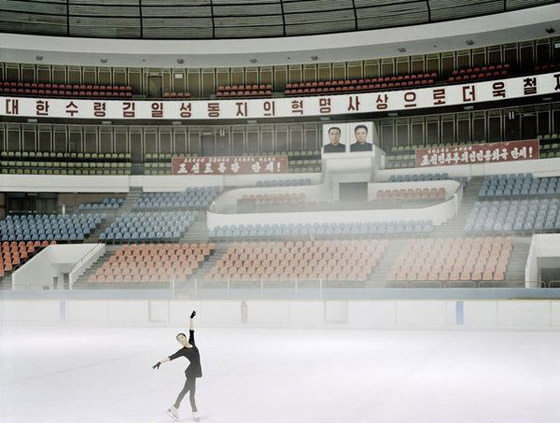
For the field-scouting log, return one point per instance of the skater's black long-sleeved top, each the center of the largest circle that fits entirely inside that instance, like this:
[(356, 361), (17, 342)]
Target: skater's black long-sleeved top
[(191, 354)]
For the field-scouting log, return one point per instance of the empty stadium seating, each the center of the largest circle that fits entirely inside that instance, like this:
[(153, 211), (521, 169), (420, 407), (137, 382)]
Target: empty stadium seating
[(283, 182), (548, 67), (411, 194), (153, 263), (362, 84), (539, 215), (453, 259), (149, 227), (419, 177), (350, 260), (401, 157), (479, 73), (255, 90), (42, 163), (192, 198), (277, 198), (463, 180), (15, 254), (65, 90), (549, 146), (321, 229), (105, 204), (304, 161), (176, 95), (518, 185), (74, 227)]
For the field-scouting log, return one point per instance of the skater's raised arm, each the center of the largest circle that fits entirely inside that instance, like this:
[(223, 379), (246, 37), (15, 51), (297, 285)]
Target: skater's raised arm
[(191, 328), (191, 320)]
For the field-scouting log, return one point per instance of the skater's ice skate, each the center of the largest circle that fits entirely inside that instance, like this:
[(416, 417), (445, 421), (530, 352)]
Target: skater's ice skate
[(196, 416), (173, 413)]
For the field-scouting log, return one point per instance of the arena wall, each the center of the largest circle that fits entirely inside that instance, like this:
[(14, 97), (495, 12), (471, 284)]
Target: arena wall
[(359, 314)]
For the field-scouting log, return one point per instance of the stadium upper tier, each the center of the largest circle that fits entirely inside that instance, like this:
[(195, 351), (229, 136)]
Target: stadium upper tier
[(211, 19)]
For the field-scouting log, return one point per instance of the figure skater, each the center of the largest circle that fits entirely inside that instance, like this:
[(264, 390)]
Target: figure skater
[(193, 371)]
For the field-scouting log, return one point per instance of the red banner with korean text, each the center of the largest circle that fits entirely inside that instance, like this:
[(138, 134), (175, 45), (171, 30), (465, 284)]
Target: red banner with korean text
[(251, 165), (478, 153)]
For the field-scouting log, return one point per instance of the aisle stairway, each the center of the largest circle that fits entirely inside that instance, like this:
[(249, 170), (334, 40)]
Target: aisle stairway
[(456, 225), (184, 289), (83, 279), (129, 202), (378, 278), (515, 274), (198, 232)]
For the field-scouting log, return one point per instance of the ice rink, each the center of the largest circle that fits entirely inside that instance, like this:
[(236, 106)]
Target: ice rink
[(102, 375)]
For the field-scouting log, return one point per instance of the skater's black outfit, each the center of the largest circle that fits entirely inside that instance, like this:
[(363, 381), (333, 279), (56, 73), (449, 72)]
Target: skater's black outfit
[(192, 372)]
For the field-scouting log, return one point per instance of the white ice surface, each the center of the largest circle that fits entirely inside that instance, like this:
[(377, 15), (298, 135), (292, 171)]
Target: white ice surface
[(104, 375)]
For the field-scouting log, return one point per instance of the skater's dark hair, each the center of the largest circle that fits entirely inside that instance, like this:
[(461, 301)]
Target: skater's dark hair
[(177, 337)]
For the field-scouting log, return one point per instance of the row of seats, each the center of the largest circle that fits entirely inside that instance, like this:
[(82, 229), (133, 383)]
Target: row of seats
[(153, 250), (463, 180), (149, 227), (61, 90), (304, 169), (361, 81), (153, 263), (106, 203), (453, 259), (315, 260), (283, 182), (411, 194), (419, 177), (244, 87), (517, 215), (400, 162), (281, 198), (14, 254), (549, 146), (489, 68), (477, 76), (518, 185), (61, 157), (36, 166), (548, 67), (359, 87), (192, 198), (69, 87), (176, 95), (255, 90), (74, 227), (321, 229), (237, 94), (14, 169), (65, 90)]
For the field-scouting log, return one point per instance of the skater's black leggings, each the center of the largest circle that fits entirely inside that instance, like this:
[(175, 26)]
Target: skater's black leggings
[(190, 386)]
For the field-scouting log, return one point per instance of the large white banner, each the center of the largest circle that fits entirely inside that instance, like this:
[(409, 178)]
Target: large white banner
[(288, 107)]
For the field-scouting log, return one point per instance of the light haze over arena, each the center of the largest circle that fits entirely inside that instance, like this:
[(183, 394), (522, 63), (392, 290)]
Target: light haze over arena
[(303, 211)]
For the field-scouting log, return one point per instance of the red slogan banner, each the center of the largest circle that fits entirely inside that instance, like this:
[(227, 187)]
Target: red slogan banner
[(478, 153), (229, 165)]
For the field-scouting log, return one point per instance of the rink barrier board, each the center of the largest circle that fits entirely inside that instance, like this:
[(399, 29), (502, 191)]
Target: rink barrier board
[(349, 314)]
